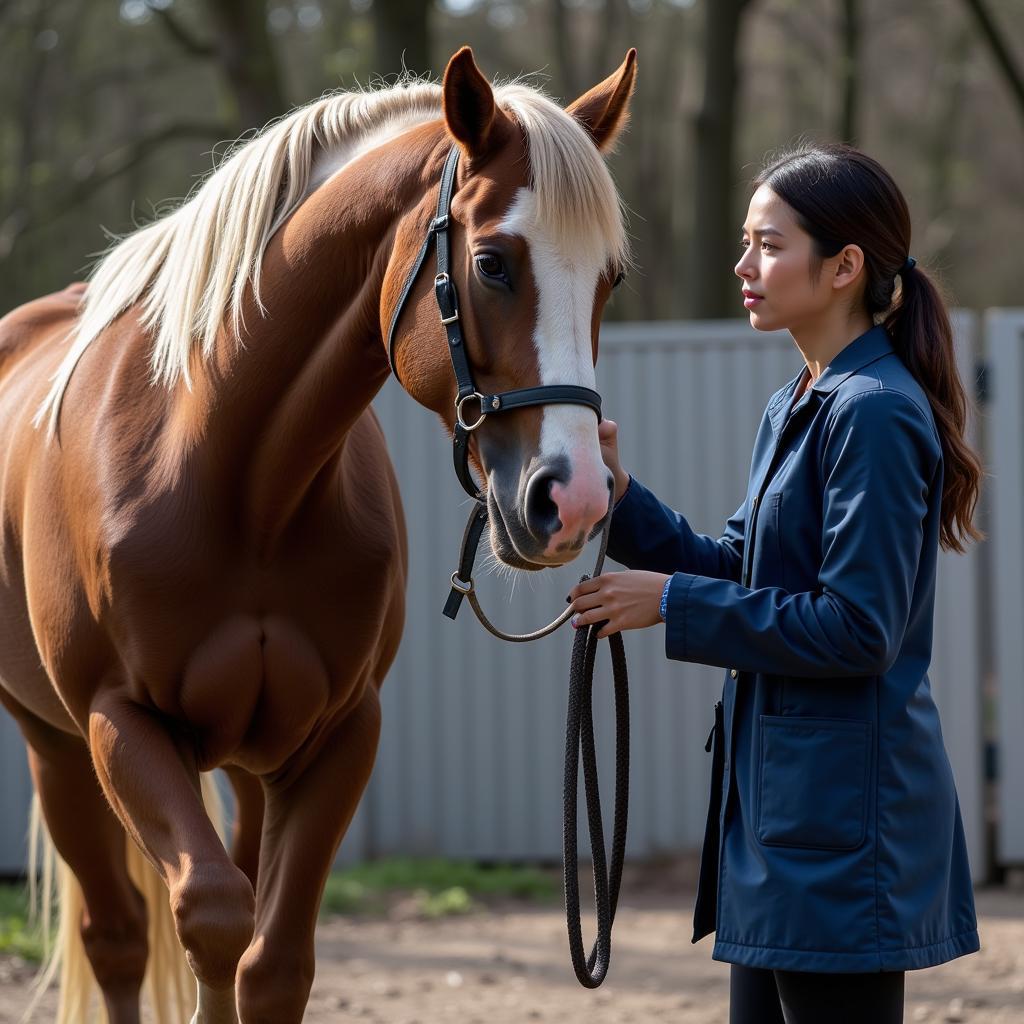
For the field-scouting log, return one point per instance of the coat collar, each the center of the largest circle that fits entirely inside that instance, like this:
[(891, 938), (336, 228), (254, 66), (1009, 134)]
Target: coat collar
[(871, 345)]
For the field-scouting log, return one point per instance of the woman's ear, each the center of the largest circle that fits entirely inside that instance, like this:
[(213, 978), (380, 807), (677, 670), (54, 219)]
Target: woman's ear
[(850, 264), (468, 103)]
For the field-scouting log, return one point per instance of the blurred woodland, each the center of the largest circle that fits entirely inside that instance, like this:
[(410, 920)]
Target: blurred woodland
[(113, 109)]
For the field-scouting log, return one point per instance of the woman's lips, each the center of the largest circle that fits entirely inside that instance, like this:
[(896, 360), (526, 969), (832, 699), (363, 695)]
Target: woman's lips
[(751, 300)]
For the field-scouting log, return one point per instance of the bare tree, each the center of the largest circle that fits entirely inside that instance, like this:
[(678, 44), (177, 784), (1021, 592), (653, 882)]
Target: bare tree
[(402, 35), (247, 58), (711, 292), (1000, 51), (566, 80), (849, 71), (949, 96), (16, 215)]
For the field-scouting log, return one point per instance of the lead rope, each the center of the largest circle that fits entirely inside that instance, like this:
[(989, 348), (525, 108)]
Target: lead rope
[(579, 735), (579, 732)]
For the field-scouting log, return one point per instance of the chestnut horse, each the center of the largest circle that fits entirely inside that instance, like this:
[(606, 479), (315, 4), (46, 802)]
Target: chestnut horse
[(204, 554)]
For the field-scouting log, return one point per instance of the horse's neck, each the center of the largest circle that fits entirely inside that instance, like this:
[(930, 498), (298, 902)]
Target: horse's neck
[(313, 364)]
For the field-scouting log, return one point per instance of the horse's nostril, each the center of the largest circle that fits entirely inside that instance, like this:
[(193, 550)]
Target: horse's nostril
[(541, 511)]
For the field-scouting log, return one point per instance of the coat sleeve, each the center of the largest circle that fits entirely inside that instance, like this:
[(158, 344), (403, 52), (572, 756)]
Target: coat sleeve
[(880, 459), (647, 534)]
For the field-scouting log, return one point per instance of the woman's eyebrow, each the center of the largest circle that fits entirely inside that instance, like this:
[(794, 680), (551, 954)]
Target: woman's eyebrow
[(765, 231)]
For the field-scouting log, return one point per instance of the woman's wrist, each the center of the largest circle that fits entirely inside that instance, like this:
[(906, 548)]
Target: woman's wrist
[(663, 610), (621, 486)]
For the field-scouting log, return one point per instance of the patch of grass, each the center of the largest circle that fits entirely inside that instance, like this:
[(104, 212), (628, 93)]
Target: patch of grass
[(448, 901), (439, 887), (17, 937)]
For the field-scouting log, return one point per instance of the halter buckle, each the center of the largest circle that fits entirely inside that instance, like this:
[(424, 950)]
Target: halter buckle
[(469, 427), (444, 279), (462, 588)]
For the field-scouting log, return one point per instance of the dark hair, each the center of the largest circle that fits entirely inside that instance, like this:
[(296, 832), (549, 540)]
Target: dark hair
[(843, 197)]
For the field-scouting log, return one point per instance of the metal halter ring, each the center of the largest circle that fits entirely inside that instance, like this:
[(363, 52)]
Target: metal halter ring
[(462, 588), (458, 411)]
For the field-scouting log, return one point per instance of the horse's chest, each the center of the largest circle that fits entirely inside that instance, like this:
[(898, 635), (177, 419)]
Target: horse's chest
[(254, 690), (254, 657)]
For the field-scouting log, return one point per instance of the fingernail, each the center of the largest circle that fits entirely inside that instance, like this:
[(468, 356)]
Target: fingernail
[(568, 600), (574, 620)]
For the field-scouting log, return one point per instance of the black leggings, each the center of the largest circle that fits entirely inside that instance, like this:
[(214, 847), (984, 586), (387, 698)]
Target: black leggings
[(761, 996)]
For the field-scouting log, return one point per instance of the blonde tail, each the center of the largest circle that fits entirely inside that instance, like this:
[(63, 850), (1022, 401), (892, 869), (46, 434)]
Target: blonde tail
[(169, 987)]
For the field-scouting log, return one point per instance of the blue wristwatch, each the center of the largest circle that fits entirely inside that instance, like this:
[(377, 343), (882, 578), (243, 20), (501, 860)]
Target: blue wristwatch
[(663, 610)]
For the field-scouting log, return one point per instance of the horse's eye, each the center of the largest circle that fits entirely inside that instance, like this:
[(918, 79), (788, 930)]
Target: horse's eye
[(619, 278), (491, 266)]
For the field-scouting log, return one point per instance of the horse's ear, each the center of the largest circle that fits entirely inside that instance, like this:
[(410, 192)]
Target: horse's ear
[(603, 110), (468, 103)]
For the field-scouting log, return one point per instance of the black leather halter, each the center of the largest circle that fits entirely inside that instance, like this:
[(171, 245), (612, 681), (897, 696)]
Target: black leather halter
[(448, 304)]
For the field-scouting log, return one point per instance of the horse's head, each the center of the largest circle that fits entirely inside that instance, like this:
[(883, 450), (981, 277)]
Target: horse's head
[(537, 244)]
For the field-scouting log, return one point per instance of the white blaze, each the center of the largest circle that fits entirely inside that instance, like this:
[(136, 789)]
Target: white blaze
[(566, 272)]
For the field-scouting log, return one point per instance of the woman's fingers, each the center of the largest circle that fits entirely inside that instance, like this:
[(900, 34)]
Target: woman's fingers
[(626, 600), (584, 619), (590, 586), (587, 601)]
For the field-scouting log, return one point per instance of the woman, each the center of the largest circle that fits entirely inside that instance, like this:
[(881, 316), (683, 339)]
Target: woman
[(834, 857)]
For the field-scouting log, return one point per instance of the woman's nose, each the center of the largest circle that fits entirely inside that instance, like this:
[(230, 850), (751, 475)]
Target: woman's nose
[(740, 270)]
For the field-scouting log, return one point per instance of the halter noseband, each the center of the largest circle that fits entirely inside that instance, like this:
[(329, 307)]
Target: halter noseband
[(448, 304)]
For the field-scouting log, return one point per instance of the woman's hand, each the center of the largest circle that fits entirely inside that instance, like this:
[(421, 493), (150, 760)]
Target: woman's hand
[(608, 436), (628, 600)]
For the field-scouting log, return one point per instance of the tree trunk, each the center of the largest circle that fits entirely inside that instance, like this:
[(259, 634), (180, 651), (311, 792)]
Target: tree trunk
[(17, 206), (247, 59), (712, 289), (609, 50), (850, 71), (997, 44), (402, 34), (949, 94), (565, 79)]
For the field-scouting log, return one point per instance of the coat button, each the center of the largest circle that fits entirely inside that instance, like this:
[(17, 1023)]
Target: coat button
[(733, 673)]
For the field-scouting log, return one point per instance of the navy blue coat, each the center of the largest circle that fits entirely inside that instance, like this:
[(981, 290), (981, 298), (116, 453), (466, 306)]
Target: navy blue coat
[(834, 838)]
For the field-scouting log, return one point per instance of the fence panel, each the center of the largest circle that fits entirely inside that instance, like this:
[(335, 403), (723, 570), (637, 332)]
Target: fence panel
[(1005, 341), (471, 754), (470, 760)]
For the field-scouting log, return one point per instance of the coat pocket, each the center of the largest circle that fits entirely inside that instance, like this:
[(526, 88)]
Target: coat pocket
[(813, 781)]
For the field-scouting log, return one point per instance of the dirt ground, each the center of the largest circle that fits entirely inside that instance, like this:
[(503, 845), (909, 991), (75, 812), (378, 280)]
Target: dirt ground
[(509, 964)]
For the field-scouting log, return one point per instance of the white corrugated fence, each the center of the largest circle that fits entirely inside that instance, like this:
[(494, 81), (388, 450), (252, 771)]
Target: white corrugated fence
[(471, 757)]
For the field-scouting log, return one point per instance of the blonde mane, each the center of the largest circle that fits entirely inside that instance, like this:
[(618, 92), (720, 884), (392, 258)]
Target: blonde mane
[(190, 268)]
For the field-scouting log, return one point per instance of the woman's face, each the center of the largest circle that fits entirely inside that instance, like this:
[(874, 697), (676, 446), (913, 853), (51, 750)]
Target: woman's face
[(776, 267)]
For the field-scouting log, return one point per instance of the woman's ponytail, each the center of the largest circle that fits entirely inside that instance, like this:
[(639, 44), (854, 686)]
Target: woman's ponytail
[(923, 338)]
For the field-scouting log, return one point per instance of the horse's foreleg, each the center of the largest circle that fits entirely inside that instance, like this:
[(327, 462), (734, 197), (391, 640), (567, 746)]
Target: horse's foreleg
[(305, 819), (152, 781), (92, 843)]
